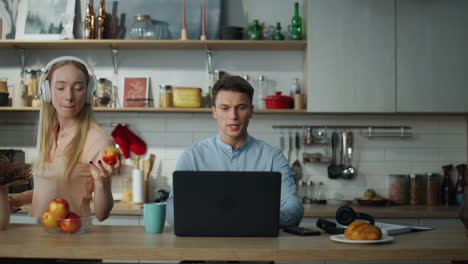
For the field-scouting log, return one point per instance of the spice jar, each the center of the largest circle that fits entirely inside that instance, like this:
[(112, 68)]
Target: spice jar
[(104, 95), (417, 186), (165, 96), (433, 189), (399, 192)]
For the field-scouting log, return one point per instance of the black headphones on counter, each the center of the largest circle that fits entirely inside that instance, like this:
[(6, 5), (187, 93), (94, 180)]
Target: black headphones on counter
[(345, 215)]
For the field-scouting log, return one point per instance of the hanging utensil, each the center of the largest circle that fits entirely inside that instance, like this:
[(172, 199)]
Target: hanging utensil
[(351, 171), (290, 145), (346, 174), (334, 171), (296, 166)]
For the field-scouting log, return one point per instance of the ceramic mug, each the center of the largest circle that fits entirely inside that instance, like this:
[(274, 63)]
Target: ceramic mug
[(154, 217)]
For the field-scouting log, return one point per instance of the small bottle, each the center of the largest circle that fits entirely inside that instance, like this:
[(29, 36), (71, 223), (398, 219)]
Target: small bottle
[(260, 91), (460, 185), (165, 95), (89, 26), (447, 191), (101, 20)]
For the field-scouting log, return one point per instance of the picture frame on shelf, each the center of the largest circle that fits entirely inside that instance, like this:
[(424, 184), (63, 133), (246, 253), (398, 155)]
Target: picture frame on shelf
[(136, 91), (49, 20)]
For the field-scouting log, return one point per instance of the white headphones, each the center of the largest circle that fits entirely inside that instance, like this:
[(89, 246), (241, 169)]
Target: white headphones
[(44, 83)]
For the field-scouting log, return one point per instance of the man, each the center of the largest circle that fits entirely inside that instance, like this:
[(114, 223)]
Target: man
[(233, 149)]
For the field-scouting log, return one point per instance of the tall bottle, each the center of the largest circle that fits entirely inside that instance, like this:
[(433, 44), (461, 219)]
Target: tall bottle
[(261, 91), (90, 20), (460, 185), (447, 191), (101, 20), (296, 24)]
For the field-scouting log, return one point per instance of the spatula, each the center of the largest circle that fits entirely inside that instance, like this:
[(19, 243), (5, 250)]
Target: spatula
[(296, 166)]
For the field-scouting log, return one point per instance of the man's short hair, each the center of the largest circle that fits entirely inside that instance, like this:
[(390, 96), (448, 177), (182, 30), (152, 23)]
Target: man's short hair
[(232, 83)]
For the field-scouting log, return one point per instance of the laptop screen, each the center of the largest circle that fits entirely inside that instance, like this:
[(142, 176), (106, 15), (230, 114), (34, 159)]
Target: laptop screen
[(226, 203)]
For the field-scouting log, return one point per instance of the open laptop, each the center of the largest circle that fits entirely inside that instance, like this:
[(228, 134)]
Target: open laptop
[(226, 203)]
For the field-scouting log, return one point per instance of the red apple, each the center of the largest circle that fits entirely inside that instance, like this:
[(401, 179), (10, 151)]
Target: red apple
[(48, 220), (59, 208), (110, 154), (71, 223)]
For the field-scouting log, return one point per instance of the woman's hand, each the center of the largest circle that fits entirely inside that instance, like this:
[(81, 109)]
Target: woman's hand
[(101, 171), (15, 202)]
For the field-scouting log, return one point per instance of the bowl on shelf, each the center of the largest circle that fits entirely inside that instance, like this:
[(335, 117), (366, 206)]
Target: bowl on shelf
[(68, 226)]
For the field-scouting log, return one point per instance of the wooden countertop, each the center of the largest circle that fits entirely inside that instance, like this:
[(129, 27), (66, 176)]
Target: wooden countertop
[(132, 242), (316, 210)]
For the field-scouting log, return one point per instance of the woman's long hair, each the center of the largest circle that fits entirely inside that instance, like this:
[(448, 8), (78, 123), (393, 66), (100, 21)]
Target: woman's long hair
[(48, 122)]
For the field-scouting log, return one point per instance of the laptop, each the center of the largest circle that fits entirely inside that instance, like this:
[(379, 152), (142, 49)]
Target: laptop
[(226, 203)]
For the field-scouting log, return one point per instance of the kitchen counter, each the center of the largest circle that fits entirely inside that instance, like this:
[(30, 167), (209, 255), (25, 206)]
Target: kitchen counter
[(316, 210), (132, 242)]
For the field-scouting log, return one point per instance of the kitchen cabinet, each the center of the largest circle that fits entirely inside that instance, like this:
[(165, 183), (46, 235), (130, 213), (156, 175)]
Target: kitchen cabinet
[(432, 55), (351, 56)]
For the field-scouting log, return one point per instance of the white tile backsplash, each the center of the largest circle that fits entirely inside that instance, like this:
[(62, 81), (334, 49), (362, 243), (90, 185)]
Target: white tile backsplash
[(438, 140)]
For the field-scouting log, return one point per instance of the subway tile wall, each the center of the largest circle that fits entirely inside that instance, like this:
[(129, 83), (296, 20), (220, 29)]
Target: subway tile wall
[(436, 141)]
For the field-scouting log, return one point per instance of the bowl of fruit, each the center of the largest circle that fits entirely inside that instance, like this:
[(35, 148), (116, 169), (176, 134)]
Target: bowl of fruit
[(58, 219)]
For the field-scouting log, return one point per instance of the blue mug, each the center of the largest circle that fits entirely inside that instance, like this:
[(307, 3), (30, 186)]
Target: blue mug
[(154, 216)]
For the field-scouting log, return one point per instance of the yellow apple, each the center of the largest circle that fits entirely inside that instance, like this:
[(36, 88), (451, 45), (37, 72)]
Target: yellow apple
[(48, 220), (59, 208)]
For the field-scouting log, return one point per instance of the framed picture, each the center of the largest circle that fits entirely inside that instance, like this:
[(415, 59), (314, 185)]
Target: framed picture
[(8, 11), (136, 91), (47, 20)]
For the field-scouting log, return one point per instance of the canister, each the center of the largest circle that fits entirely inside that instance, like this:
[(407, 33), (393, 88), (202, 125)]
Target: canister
[(186, 97), (418, 189), (165, 96), (433, 188), (399, 189)]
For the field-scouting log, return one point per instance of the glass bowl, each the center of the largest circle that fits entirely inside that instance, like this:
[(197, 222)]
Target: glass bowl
[(69, 226)]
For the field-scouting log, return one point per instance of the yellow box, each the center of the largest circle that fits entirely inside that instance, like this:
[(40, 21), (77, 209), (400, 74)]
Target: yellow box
[(187, 96)]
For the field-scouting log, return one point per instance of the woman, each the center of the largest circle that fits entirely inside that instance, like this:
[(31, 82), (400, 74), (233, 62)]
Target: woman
[(70, 143)]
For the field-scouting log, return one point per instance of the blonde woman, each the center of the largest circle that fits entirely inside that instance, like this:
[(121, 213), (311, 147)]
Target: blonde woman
[(69, 143)]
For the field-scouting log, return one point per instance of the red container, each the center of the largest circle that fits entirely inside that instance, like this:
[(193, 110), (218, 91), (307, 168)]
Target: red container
[(278, 101)]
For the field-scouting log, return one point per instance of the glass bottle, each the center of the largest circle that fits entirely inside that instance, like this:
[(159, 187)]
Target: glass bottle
[(447, 191), (460, 185), (89, 26), (277, 35), (101, 20), (321, 199), (309, 197), (296, 24), (142, 28), (260, 91), (165, 96)]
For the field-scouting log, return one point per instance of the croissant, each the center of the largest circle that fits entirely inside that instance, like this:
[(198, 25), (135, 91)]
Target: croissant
[(360, 230)]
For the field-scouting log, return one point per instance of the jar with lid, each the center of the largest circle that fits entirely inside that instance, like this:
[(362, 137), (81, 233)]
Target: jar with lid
[(418, 189), (104, 96), (165, 96), (433, 189), (399, 191), (32, 81), (142, 27), (320, 198)]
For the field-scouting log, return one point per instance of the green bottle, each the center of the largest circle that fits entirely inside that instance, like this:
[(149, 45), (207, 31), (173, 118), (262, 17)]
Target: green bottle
[(296, 24)]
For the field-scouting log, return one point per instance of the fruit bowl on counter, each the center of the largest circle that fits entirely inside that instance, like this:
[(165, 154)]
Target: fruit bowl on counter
[(68, 226)]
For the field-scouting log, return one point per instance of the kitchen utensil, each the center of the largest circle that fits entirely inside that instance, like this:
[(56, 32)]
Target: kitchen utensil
[(136, 163), (184, 32), (290, 144), (147, 168), (334, 171), (278, 101), (296, 166), (282, 142), (351, 171)]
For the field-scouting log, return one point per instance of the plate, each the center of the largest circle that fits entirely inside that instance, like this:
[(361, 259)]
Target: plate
[(341, 238)]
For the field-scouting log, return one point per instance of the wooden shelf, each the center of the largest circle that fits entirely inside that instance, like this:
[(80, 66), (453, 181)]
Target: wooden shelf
[(157, 109), (157, 44)]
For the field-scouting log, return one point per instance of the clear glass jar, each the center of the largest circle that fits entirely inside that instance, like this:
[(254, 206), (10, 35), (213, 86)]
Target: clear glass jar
[(309, 193), (104, 96), (127, 189), (142, 27)]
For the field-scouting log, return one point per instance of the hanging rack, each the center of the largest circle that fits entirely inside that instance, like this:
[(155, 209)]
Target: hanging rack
[(367, 131)]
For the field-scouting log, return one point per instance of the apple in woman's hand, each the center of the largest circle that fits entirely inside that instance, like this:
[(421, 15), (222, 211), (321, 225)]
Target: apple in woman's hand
[(110, 154)]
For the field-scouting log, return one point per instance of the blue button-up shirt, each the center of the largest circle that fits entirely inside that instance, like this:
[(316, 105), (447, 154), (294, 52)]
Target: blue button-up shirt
[(213, 154)]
